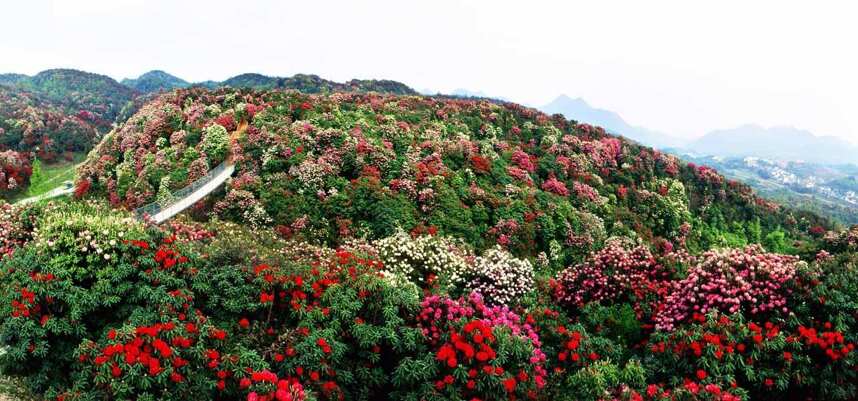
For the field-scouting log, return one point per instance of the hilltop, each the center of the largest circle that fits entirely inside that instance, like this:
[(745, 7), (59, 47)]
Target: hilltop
[(325, 163), (155, 81), (79, 91), (158, 81), (65, 111)]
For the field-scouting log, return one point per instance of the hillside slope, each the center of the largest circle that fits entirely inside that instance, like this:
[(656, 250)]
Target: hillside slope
[(325, 167), (384, 247), (79, 91)]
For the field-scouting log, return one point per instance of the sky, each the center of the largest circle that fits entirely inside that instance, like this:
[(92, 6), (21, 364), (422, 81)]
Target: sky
[(682, 67)]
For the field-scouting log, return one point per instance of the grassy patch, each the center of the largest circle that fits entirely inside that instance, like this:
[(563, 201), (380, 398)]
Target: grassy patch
[(49, 176)]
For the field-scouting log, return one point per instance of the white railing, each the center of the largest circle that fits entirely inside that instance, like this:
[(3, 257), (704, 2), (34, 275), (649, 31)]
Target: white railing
[(184, 198)]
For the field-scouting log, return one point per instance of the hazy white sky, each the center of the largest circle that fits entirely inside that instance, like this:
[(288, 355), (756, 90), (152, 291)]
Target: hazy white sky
[(684, 67)]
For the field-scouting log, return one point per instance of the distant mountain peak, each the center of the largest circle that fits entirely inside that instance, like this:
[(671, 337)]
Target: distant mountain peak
[(568, 99), (782, 143), (155, 81), (579, 110)]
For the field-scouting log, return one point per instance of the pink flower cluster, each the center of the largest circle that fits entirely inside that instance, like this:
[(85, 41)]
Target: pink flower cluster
[(505, 231), (523, 160), (730, 281), (436, 309), (519, 174), (585, 192), (555, 186), (12, 231), (707, 174)]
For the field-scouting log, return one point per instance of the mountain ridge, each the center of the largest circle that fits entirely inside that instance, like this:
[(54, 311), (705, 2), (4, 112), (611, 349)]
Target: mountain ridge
[(776, 142), (578, 109)]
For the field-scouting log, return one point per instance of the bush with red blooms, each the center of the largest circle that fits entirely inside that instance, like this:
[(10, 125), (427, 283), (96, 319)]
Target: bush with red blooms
[(769, 360), (748, 280), (567, 345), (334, 324), (618, 273), (476, 352), (15, 171), (98, 306)]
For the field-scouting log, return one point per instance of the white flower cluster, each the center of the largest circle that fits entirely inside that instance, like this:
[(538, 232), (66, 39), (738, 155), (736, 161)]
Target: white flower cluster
[(500, 277), (416, 259), (99, 244), (312, 172)]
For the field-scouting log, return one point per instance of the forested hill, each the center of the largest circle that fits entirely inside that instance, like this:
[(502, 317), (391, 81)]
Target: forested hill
[(65, 111), (325, 167)]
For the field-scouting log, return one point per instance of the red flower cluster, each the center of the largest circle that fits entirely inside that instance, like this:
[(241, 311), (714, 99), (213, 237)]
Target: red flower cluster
[(830, 341), (475, 342), (27, 305), (168, 258), (480, 164), (146, 349), (283, 389)]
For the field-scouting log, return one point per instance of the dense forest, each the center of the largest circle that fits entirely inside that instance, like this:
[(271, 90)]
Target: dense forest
[(62, 112)]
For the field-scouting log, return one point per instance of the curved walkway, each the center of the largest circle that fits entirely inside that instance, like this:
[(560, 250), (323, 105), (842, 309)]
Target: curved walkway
[(193, 193), (198, 190), (54, 193)]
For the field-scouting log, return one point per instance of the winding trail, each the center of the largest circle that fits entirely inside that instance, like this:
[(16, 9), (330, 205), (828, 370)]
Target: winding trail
[(62, 190)]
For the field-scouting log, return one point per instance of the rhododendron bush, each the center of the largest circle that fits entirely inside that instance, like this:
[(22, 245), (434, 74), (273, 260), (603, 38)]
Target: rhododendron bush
[(15, 171), (730, 281), (98, 306)]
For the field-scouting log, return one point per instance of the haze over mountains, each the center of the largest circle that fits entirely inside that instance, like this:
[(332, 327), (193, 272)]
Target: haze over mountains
[(777, 143), (579, 110)]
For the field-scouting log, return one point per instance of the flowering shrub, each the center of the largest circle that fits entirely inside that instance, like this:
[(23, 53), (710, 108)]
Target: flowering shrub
[(616, 273), (555, 186), (13, 232), (424, 259), (15, 171), (364, 165), (477, 352), (215, 143), (730, 281), (774, 357), (500, 277)]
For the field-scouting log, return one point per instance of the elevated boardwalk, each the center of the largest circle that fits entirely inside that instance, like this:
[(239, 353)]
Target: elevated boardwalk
[(186, 197)]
